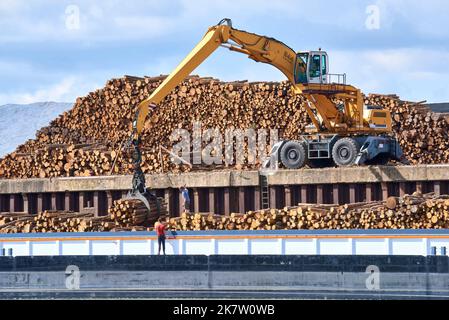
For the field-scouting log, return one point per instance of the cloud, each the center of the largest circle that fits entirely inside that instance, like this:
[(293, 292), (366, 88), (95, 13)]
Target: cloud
[(65, 90), (148, 37), (144, 26), (8, 68), (115, 20), (104, 20), (333, 24), (414, 74), (11, 6)]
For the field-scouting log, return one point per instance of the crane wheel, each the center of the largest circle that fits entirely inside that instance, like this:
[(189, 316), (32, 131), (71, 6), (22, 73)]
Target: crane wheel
[(293, 155), (345, 152)]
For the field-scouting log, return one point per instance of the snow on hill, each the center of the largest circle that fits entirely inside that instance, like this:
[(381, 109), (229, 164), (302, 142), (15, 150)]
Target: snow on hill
[(18, 123)]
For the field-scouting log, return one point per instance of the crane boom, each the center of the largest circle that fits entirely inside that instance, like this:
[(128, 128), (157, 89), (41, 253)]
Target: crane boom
[(259, 48)]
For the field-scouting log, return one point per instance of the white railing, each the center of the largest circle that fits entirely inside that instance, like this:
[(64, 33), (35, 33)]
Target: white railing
[(336, 78), (298, 242)]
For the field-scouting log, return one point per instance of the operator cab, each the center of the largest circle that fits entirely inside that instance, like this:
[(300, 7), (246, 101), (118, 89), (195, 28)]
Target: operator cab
[(311, 67)]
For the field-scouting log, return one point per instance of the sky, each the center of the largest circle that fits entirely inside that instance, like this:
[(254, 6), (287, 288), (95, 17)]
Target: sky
[(56, 50)]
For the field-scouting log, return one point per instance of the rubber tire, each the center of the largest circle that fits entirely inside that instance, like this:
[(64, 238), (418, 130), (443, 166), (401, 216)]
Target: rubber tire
[(293, 155), (345, 152)]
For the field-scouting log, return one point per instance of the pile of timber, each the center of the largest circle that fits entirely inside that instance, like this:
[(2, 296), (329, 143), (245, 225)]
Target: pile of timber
[(422, 134), (47, 221), (409, 212), (127, 213), (88, 140), (10, 222), (124, 215)]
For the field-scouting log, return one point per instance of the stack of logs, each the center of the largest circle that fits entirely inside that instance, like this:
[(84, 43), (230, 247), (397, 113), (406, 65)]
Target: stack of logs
[(409, 212), (49, 221), (423, 135), (129, 212), (124, 215), (88, 139)]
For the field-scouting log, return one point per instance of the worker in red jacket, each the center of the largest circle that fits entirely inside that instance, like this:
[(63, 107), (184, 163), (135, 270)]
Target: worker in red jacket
[(160, 230)]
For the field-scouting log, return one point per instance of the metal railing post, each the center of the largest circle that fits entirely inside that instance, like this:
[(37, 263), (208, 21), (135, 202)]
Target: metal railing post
[(433, 251)]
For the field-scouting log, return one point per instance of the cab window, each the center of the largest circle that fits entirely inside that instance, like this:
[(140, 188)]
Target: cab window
[(323, 65), (315, 67), (300, 67)]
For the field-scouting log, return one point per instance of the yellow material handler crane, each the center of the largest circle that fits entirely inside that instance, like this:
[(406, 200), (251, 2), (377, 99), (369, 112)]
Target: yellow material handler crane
[(344, 132)]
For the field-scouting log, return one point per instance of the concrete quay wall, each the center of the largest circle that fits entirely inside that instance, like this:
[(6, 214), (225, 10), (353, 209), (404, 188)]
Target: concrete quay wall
[(227, 191)]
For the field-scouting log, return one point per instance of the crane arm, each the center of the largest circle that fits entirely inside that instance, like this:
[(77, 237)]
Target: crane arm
[(259, 48)]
